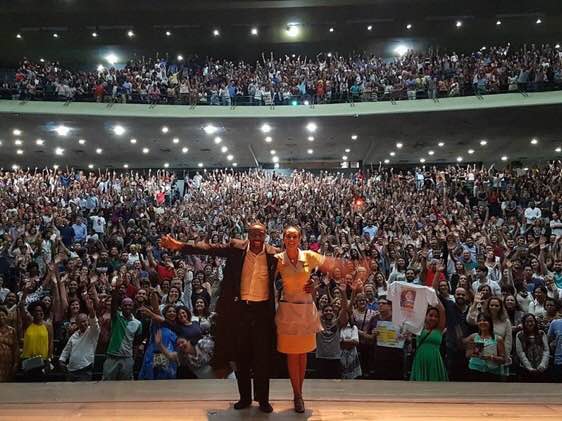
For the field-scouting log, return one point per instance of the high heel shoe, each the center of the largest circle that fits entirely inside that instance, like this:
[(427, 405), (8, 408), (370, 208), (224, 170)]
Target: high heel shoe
[(299, 404)]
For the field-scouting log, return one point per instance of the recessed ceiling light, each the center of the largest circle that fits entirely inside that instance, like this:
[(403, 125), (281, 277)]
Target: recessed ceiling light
[(347, 150), (168, 33), (311, 127), (130, 34), (276, 165), (166, 165), (235, 164), (254, 31), (504, 158), (409, 26), (331, 29), (39, 142), (218, 140), (275, 159), (539, 21), (90, 166), (184, 150), (59, 151), (94, 34), (534, 141), (216, 32), (18, 142), (133, 141), (392, 153), (99, 150), (125, 165), (19, 151), (399, 145), (268, 139), (16, 132), (62, 130), (370, 28), (224, 149), (230, 157), (441, 144), (344, 158), (81, 141), (273, 152), (18, 36), (210, 129), (175, 140), (55, 35), (498, 22), (311, 138), (200, 165), (431, 152), (470, 151), (266, 128), (483, 142), (118, 130), (387, 161), (458, 24), (353, 137), (558, 149), (165, 129), (459, 158), (145, 150), (179, 57), (310, 151), (422, 160)]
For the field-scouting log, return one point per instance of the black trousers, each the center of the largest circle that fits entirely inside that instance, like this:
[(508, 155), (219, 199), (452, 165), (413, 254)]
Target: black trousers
[(254, 350)]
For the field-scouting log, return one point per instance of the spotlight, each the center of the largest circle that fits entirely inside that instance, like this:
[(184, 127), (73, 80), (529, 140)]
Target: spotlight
[(331, 29), (216, 32), (458, 24), (498, 22), (118, 130), (55, 35), (265, 128), (94, 34), (539, 21), (180, 57), (370, 28), (18, 36), (409, 26), (168, 33), (293, 30), (165, 129), (130, 34), (254, 31), (62, 130), (111, 58), (210, 129)]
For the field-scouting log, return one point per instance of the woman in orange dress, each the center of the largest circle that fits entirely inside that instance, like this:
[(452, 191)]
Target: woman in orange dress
[(297, 319), (8, 348)]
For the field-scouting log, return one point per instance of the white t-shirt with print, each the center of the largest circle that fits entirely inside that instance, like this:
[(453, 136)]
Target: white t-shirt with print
[(409, 305)]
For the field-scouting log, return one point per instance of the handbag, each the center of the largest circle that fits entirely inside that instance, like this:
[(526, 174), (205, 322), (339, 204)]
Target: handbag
[(159, 360), (33, 363)]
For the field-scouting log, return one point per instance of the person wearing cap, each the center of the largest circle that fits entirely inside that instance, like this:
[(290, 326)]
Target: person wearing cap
[(125, 330), (245, 310)]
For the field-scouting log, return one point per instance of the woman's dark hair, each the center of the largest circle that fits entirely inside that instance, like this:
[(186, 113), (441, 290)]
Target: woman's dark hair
[(541, 288), (206, 312), (4, 310), (526, 337), (184, 308), (166, 308), (488, 318), (31, 307)]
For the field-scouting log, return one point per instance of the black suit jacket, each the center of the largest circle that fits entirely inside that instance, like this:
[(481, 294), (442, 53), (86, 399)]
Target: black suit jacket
[(228, 306)]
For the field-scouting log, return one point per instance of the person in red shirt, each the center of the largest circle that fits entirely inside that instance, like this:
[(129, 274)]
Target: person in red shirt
[(165, 270)]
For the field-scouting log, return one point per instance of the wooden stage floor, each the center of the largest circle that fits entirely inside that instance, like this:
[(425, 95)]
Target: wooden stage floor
[(325, 400)]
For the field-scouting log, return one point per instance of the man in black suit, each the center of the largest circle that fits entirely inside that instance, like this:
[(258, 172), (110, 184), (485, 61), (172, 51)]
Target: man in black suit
[(245, 331)]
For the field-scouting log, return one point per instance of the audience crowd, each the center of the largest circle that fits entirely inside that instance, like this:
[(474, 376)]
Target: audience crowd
[(86, 291), (292, 80)]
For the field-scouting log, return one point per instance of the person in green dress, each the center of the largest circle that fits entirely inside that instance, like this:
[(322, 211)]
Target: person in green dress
[(428, 364)]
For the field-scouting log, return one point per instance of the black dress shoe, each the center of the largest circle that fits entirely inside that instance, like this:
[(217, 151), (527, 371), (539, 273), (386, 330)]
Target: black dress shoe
[(266, 407), (242, 404), (299, 405)]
